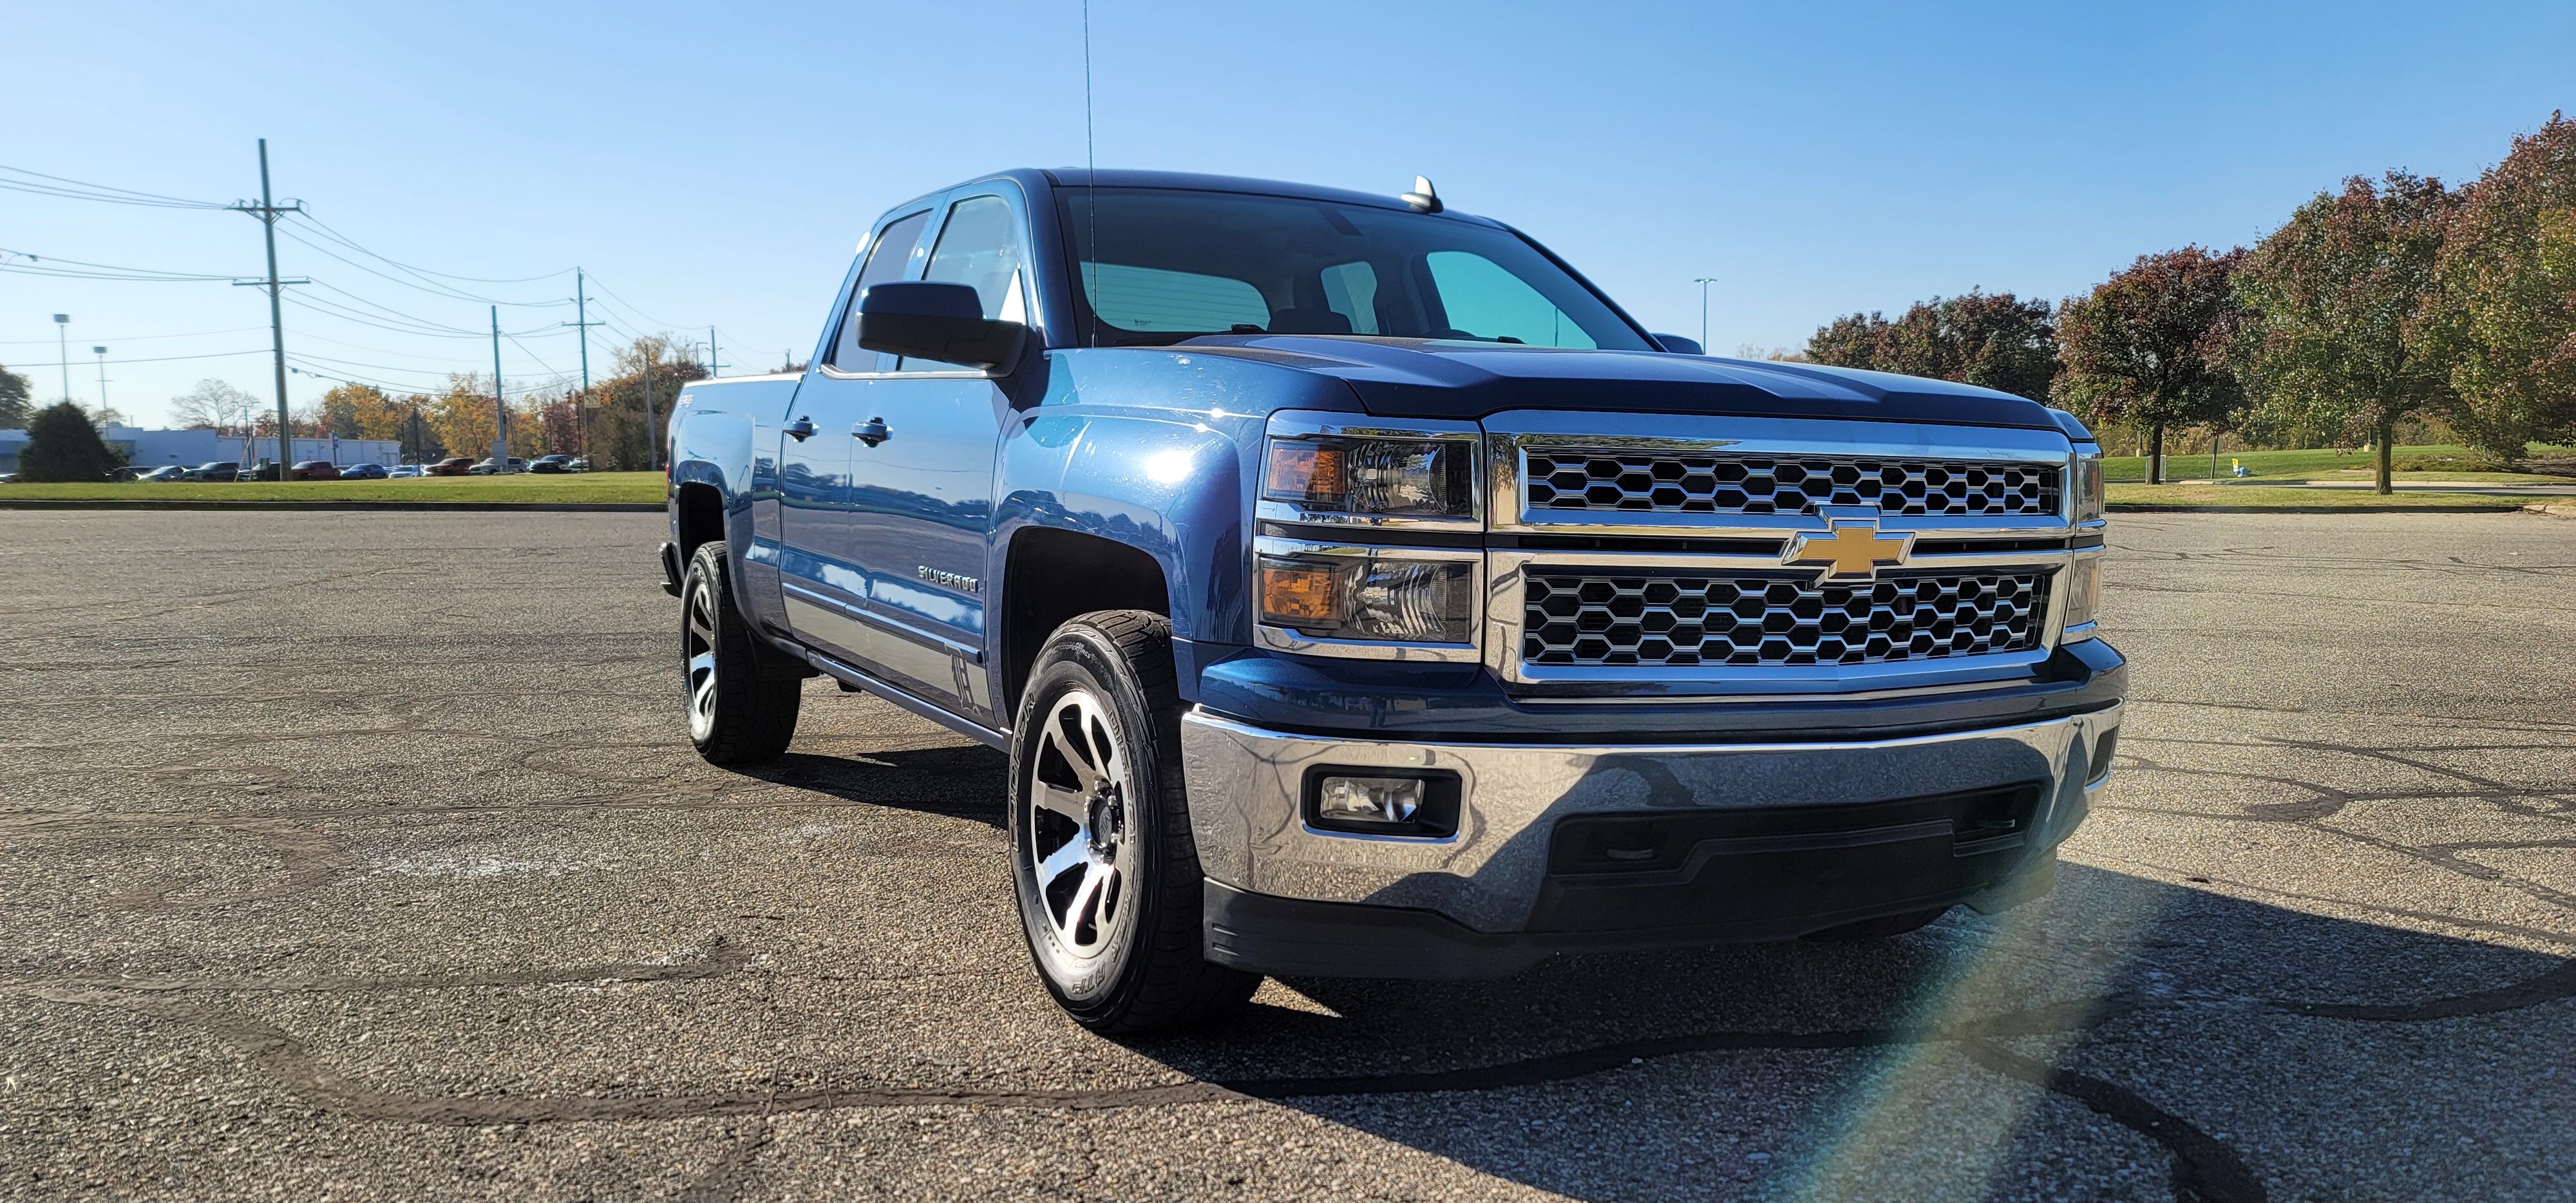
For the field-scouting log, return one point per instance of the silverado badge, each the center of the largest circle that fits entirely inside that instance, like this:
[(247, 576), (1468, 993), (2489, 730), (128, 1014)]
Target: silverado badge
[(1851, 547)]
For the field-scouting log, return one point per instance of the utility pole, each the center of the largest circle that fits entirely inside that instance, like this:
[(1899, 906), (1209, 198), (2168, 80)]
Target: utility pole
[(581, 326), (500, 408), (101, 352), (1703, 282), (267, 211), (711, 353), (62, 344), (653, 446)]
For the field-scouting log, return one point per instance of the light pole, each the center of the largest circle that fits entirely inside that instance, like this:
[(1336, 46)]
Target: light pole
[(101, 352), (1703, 282), (62, 335)]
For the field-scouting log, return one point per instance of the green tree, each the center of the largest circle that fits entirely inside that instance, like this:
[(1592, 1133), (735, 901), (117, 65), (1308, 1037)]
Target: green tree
[(2337, 299), (619, 436), (2505, 317), (14, 405), (2149, 346), (1993, 340), (62, 445)]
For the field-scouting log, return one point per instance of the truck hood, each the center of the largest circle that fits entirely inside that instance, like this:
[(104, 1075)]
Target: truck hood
[(1432, 378)]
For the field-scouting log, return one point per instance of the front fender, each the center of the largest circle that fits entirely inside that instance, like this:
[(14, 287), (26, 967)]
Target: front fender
[(1157, 449)]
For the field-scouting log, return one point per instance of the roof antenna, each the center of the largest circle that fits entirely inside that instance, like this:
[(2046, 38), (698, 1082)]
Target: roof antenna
[(1424, 198), (1090, 184)]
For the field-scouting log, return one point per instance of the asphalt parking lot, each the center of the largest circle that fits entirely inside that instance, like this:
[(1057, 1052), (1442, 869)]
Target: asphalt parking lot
[(357, 856)]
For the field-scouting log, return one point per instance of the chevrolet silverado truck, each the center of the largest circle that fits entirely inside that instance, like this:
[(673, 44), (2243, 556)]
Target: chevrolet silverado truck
[(1357, 590)]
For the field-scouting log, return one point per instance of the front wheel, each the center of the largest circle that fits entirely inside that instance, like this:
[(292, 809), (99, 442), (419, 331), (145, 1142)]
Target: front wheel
[(741, 709), (1102, 861)]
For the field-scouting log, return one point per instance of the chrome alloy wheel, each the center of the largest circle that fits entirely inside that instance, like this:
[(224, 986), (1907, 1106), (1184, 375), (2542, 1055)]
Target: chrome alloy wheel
[(698, 653), (1082, 843)]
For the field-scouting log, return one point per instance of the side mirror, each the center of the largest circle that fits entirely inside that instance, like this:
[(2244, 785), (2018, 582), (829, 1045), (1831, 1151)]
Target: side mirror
[(918, 319), (1680, 346)]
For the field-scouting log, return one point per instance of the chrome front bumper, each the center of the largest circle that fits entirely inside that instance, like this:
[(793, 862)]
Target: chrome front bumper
[(1246, 793)]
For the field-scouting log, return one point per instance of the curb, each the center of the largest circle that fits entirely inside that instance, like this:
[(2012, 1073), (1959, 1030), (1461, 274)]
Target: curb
[(2555, 509), (122, 503)]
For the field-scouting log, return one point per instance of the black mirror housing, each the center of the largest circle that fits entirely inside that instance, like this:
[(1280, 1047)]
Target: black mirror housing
[(1678, 345), (919, 319)]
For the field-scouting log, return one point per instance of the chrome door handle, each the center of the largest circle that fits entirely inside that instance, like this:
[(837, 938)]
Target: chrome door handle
[(872, 432), (801, 429)]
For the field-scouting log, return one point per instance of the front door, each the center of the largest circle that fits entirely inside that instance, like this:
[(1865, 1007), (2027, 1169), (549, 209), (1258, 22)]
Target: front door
[(922, 495), (821, 582)]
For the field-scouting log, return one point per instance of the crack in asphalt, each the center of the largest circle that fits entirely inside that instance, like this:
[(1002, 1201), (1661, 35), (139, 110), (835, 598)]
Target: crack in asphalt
[(2205, 1167)]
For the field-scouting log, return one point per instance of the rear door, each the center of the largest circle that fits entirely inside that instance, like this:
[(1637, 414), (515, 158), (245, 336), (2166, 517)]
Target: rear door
[(821, 583)]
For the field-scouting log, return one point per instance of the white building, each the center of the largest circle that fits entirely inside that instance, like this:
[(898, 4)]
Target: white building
[(148, 449)]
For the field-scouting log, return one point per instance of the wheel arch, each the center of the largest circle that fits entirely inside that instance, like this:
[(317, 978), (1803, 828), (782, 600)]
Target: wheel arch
[(1051, 576)]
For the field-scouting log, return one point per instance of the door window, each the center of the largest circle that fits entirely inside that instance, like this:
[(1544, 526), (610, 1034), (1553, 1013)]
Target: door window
[(980, 248), (887, 258)]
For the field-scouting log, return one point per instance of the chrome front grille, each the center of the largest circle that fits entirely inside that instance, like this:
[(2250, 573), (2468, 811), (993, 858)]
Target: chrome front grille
[(1610, 617), (1676, 482)]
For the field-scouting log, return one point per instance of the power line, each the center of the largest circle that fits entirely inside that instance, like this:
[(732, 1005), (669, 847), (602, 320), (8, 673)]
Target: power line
[(629, 306), (71, 189), (135, 338), (352, 244), (39, 265), (433, 288), (207, 355)]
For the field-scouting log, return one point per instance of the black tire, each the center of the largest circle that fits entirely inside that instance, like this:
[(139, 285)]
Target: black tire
[(740, 700), (1114, 926), (1879, 928)]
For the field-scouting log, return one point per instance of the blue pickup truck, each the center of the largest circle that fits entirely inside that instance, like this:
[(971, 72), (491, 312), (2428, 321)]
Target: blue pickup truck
[(1357, 590)]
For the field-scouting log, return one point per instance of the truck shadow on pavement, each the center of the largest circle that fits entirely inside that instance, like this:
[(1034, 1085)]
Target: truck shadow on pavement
[(957, 782), (2226, 1035)]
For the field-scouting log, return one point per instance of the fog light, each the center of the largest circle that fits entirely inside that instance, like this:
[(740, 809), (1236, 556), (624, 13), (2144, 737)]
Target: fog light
[(1369, 799), (1358, 800)]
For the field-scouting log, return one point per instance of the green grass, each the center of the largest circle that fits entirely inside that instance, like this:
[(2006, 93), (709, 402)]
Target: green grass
[(2133, 496), (2428, 463), (587, 486)]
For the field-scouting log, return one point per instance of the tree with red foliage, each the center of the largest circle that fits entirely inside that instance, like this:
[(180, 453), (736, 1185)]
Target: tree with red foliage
[(1994, 340), (2505, 317), (2338, 299), (2149, 346)]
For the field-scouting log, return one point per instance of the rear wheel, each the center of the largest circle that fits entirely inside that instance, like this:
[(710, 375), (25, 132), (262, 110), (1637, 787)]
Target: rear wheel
[(742, 707), (1105, 870)]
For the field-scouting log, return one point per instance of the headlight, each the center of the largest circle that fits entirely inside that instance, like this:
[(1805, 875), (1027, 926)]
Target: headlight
[(2083, 596), (2087, 485), (1396, 478), (1380, 597)]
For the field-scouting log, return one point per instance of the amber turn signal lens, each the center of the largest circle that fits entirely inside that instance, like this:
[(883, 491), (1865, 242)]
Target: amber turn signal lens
[(1304, 470), (1297, 595)]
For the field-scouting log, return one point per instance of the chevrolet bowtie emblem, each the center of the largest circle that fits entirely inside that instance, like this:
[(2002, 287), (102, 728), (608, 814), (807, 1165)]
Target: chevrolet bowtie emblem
[(1852, 546)]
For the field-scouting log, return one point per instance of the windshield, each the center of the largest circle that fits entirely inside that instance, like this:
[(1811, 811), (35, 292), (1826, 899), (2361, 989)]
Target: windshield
[(1161, 266)]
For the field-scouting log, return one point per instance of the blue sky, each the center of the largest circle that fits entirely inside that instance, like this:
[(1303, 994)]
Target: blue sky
[(713, 165)]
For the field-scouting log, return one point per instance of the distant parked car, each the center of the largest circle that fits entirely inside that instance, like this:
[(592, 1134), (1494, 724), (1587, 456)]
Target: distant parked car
[(454, 465), (8, 478), (406, 472), (550, 463), (363, 472), (493, 468), (265, 471), (580, 463), (314, 469), (223, 469), (173, 472)]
